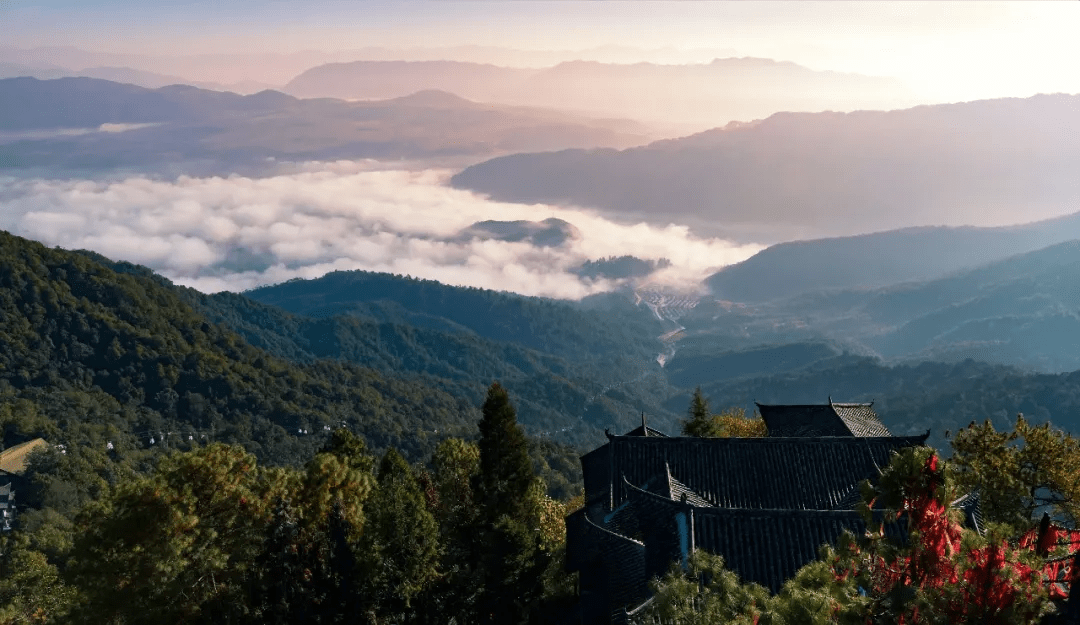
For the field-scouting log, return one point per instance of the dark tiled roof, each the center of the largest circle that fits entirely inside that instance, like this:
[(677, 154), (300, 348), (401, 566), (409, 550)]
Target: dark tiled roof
[(831, 419), (769, 546), (762, 546), (624, 582), (970, 506), (861, 419), (644, 430), (808, 420), (757, 473), (677, 491)]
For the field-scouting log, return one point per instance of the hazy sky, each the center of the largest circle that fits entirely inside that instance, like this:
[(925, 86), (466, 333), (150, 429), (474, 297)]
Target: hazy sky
[(949, 51)]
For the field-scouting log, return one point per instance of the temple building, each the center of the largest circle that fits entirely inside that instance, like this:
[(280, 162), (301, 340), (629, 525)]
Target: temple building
[(765, 504), (12, 466)]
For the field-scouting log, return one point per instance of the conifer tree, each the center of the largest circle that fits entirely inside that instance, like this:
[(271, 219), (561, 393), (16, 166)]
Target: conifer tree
[(506, 472), (507, 548), (733, 422), (699, 424)]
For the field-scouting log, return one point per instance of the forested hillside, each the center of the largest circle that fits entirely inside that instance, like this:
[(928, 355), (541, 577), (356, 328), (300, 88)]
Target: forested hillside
[(573, 372), (911, 399), (120, 354), (1019, 311), (120, 362)]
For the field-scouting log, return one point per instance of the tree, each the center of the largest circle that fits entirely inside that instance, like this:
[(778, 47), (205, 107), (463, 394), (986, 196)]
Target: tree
[(456, 467), (939, 572), (174, 546), (700, 422), (307, 570), (506, 543), (1020, 474), (31, 589), (506, 472), (704, 593), (732, 423), (399, 553)]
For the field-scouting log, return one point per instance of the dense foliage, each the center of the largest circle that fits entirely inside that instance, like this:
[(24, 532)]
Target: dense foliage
[(457, 340), (1019, 482), (210, 535)]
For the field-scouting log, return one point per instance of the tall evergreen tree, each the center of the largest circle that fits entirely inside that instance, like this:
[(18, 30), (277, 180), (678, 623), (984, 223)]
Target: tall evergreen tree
[(699, 424), (506, 472), (505, 544)]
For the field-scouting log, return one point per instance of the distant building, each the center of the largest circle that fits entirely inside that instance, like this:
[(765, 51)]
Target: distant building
[(12, 466), (765, 504)]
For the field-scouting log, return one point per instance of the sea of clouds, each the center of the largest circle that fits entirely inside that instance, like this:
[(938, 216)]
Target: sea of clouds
[(235, 233)]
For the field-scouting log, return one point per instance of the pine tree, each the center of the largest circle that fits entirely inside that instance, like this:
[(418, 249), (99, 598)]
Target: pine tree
[(507, 548), (731, 423), (506, 471), (700, 423)]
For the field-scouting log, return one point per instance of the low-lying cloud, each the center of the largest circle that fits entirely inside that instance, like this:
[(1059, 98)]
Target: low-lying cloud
[(235, 233)]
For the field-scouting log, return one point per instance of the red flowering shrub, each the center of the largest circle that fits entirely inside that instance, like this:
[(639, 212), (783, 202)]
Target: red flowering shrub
[(941, 572)]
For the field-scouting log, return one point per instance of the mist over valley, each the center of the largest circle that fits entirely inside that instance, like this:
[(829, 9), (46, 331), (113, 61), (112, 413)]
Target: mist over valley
[(491, 312)]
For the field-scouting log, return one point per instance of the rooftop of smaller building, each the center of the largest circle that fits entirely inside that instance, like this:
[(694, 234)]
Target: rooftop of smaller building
[(13, 459), (829, 419)]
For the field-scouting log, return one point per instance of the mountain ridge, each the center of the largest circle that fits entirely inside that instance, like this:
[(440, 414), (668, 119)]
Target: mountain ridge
[(200, 128), (806, 175)]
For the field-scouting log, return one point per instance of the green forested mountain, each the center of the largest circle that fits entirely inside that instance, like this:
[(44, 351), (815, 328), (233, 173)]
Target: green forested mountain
[(99, 353), (537, 323), (568, 368), (81, 339), (585, 368), (941, 397)]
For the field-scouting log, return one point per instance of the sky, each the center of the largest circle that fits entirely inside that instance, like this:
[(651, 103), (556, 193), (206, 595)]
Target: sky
[(946, 50)]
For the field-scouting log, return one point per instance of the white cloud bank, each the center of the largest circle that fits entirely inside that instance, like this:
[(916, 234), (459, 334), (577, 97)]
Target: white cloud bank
[(237, 233)]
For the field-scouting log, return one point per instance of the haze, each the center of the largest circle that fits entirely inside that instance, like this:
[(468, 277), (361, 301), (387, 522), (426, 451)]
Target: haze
[(945, 51), (385, 135)]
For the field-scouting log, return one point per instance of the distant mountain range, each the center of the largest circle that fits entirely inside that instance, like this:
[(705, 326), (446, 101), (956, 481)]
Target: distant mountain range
[(691, 95), (801, 175), (127, 75), (271, 70), (1022, 311), (881, 258), (188, 124)]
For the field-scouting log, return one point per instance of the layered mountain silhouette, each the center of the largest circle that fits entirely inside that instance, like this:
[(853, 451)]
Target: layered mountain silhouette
[(693, 95), (185, 123), (1020, 311), (882, 258), (801, 175)]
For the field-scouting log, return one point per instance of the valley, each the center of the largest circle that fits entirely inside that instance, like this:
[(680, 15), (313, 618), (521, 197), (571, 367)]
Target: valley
[(312, 334)]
